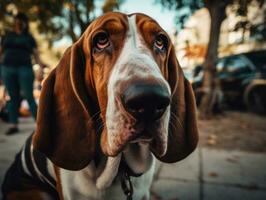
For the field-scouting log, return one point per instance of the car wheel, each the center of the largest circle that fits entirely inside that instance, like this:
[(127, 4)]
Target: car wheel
[(256, 101)]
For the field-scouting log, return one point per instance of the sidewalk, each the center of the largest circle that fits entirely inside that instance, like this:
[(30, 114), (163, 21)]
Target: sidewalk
[(205, 175)]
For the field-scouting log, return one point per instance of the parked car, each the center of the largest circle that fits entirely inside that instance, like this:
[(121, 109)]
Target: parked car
[(242, 79)]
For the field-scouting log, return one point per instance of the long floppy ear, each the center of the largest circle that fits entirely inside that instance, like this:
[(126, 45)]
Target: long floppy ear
[(65, 132), (183, 131)]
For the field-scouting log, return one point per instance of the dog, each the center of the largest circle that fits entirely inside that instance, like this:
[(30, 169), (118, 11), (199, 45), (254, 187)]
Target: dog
[(116, 101)]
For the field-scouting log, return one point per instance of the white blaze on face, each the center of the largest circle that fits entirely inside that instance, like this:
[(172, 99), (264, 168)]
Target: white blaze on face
[(135, 62)]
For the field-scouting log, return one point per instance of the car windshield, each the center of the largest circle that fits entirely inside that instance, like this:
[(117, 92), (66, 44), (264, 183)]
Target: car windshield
[(235, 63)]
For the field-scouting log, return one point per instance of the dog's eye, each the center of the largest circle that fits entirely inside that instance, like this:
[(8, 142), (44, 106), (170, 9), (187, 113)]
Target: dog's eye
[(161, 42), (101, 41)]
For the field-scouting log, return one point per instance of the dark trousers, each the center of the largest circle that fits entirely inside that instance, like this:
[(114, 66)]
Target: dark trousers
[(19, 82)]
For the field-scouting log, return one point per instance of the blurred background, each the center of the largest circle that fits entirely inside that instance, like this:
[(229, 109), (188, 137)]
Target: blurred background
[(221, 46)]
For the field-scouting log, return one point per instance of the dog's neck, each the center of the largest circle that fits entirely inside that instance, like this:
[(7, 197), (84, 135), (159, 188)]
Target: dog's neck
[(136, 157), (105, 176)]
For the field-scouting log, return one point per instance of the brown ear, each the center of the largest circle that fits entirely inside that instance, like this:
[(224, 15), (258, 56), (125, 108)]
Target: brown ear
[(183, 132), (65, 131)]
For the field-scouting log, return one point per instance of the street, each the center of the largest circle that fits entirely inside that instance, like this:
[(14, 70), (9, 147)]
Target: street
[(206, 174)]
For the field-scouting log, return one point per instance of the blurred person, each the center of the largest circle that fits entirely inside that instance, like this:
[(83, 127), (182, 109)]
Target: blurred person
[(16, 49), (3, 95)]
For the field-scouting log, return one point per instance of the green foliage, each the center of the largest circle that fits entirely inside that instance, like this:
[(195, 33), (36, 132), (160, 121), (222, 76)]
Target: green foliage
[(258, 31), (257, 28), (56, 19), (184, 8), (110, 5)]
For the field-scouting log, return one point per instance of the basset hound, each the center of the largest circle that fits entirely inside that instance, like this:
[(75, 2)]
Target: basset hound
[(116, 101)]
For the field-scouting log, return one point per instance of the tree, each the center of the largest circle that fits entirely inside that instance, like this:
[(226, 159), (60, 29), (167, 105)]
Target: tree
[(251, 23), (59, 18), (217, 12)]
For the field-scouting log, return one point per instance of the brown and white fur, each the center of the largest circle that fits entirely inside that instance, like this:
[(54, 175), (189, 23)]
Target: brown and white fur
[(83, 127)]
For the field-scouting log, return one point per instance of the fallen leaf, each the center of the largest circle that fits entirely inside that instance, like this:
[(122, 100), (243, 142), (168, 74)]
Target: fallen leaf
[(213, 174), (231, 160)]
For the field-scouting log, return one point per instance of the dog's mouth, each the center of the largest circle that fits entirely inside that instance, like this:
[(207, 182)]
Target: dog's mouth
[(138, 134), (142, 139), (142, 136), (132, 131)]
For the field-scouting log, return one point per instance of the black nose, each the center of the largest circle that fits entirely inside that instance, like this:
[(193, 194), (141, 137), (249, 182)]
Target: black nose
[(146, 102)]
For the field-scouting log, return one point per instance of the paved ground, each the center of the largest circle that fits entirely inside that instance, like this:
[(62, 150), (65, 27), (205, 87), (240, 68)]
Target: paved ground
[(204, 175)]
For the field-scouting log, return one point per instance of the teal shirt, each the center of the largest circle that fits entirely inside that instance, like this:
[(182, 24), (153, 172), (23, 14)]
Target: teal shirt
[(17, 49)]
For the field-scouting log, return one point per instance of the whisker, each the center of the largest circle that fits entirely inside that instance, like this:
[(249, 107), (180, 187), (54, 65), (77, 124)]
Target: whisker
[(174, 127), (101, 126), (96, 114), (170, 135), (173, 115)]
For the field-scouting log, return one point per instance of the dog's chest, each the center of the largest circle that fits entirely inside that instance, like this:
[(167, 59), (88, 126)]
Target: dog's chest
[(80, 185)]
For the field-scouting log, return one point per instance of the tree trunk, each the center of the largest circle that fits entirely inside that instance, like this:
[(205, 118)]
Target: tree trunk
[(70, 30), (210, 85)]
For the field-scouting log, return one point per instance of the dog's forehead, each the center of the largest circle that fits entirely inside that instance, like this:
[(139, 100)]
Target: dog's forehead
[(120, 19), (110, 17)]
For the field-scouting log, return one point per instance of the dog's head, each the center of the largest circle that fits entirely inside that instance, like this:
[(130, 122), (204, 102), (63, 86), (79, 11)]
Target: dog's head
[(124, 71)]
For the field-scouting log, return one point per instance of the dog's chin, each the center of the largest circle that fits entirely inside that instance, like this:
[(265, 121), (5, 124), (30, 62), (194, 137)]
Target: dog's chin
[(156, 144), (158, 148), (122, 142)]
